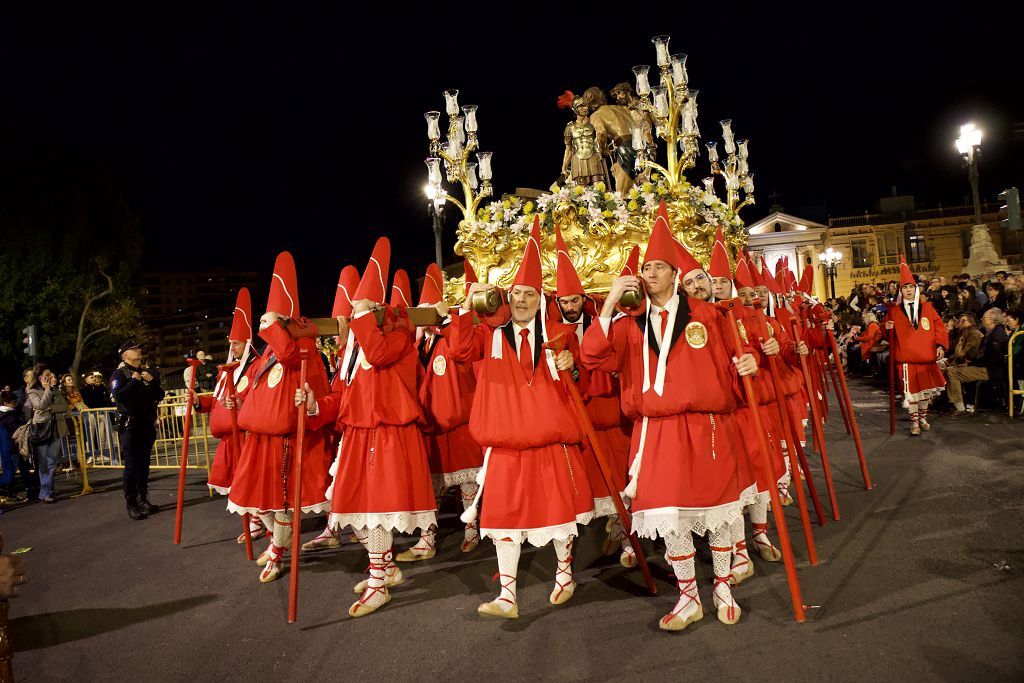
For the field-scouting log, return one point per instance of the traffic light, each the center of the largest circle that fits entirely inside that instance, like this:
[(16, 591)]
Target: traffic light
[(29, 339), (1011, 208)]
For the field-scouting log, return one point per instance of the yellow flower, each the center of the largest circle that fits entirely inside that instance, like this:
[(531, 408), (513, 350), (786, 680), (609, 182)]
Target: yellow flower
[(633, 192), (498, 216), (528, 208), (647, 187), (506, 204), (543, 216), (485, 217), (577, 191), (632, 206), (606, 214), (608, 196), (599, 187), (661, 190), (655, 176)]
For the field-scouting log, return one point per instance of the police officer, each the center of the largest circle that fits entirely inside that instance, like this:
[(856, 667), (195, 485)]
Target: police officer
[(136, 391)]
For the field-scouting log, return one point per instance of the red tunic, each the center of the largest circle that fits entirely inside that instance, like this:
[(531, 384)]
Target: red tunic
[(382, 477), (446, 394), (271, 418), (535, 487), (222, 468), (687, 465), (914, 348)]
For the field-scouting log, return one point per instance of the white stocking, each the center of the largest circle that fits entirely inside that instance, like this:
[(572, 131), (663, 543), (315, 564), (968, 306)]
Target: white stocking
[(679, 552), (721, 552), (738, 536), (428, 537), (282, 534), (508, 567), (378, 546), (563, 568), (468, 491)]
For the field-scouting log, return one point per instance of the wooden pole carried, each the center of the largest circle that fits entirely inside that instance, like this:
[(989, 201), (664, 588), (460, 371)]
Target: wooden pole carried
[(193, 363), (300, 437)]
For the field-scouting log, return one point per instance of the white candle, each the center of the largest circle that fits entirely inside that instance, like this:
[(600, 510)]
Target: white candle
[(661, 48), (451, 102), (470, 112), (643, 86), (679, 70), (660, 101), (713, 152), (485, 164), (471, 176), (433, 129)]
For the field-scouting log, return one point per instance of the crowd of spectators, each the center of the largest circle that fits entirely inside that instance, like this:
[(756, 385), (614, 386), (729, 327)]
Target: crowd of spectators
[(981, 314), (43, 403)]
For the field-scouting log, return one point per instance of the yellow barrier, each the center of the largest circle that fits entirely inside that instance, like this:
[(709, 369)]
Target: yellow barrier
[(1010, 380), (97, 446)]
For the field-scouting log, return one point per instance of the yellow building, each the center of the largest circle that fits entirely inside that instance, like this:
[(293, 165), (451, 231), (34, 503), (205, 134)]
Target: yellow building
[(934, 241)]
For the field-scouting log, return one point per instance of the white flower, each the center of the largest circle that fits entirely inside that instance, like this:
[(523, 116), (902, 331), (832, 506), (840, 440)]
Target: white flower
[(595, 214), (649, 199), (621, 215), (544, 201)]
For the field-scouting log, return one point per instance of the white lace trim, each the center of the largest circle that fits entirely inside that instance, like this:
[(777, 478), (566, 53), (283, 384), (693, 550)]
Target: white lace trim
[(542, 536), (449, 479), (926, 395), (222, 490), (308, 509), (402, 522), (663, 521)]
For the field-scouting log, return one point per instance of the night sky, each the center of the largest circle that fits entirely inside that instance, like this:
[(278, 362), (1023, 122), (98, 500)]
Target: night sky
[(235, 136)]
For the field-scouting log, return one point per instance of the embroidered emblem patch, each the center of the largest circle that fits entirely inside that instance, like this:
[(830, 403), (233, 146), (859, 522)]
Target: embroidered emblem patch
[(242, 384), (696, 335), (275, 375), (440, 365), (926, 324)]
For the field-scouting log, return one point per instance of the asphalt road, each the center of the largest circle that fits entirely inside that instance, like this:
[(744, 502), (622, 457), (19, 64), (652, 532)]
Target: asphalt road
[(921, 579)]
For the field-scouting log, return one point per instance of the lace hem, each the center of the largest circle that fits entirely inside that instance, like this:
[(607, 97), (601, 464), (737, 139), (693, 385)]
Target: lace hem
[(402, 522), (306, 509), (540, 537), (449, 479), (222, 490), (662, 521), (926, 395)]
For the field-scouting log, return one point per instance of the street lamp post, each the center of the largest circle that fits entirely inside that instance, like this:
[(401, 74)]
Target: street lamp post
[(969, 146), (830, 259)]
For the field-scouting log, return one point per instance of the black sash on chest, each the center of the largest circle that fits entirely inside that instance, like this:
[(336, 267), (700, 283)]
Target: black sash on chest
[(538, 336), (271, 362), (682, 319), (427, 350), (913, 322)]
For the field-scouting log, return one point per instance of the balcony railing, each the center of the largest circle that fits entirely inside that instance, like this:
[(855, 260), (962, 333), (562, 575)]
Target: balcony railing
[(966, 211)]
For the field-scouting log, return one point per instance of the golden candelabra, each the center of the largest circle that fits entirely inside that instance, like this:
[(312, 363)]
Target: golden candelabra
[(455, 153), (735, 170)]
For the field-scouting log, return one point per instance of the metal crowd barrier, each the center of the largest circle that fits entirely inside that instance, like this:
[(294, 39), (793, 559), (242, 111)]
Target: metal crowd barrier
[(1010, 381), (94, 443)]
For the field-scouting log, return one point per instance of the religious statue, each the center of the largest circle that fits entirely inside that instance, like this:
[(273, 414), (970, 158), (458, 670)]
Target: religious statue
[(583, 161), (639, 140)]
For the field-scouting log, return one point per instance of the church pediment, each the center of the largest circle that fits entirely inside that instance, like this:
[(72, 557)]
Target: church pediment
[(778, 222)]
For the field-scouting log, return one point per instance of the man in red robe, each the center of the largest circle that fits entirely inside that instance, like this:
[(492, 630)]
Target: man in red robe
[(600, 393), (348, 280), (679, 375), (220, 405), (264, 480), (447, 386), (534, 485), (382, 482), (920, 340)]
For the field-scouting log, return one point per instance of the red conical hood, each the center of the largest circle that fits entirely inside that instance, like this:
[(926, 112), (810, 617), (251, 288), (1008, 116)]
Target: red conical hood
[(632, 265), (348, 281), (373, 284), (790, 278), (284, 288), (720, 258), (568, 280), (906, 277), (401, 290), (686, 261), (529, 273), (807, 279), (743, 277), (663, 246), (433, 286), (241, 323), (767, 280)]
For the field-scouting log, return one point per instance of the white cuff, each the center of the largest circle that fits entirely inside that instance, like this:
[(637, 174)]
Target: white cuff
[(605, 323), (360, 314)]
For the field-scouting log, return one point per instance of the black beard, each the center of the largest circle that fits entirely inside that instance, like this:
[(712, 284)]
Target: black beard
[(572, 316)]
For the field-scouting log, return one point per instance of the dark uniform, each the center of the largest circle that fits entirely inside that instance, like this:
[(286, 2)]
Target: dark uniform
[(136, 402)]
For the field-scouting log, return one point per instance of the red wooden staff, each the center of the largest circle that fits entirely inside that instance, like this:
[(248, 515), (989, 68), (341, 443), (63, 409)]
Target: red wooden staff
[(236, 444), (602, 464), (819, 436), (764, 464), (300, 437), (845, 396), (892, 383), (193, 364), (787, 431)]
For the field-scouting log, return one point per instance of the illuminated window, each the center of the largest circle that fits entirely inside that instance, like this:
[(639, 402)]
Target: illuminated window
[(888, 248), (917, 249), (861, 252)]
